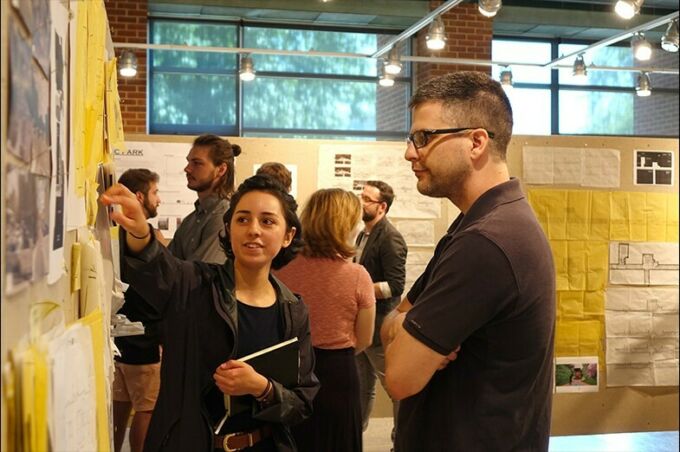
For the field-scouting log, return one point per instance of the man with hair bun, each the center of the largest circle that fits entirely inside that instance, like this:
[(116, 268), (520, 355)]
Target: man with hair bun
[(210, 173)]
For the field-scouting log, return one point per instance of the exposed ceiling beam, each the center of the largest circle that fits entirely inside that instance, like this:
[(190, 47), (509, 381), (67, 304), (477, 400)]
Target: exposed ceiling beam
[(617, 37), (413, 29)]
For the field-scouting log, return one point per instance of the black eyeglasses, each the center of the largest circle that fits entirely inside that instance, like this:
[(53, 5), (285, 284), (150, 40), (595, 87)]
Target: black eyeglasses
[(367, 200), (420, 138)]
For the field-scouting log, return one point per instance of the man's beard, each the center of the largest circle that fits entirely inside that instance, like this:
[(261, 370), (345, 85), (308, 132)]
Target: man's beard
[(367, 216), (200, 186), (151, 210)]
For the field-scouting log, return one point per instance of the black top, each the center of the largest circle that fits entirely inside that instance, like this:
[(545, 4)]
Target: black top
[(490, 288), (258, 328), (140, 348)]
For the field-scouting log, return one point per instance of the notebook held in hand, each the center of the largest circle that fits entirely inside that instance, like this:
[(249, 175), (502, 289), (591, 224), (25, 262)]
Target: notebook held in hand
[(280, 362)]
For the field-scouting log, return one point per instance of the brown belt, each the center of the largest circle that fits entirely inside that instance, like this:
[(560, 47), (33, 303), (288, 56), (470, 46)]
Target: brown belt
[(241, 440)]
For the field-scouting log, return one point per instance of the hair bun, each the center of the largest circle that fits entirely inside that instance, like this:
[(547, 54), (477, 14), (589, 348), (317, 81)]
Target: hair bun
[(236, 150)]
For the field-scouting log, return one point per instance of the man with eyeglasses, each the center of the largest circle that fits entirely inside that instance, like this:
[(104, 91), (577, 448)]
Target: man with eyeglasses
[(469, 350), (381, 249)]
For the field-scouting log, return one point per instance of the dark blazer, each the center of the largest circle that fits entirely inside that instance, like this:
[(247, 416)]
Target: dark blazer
[(199, 310), (384, 257)]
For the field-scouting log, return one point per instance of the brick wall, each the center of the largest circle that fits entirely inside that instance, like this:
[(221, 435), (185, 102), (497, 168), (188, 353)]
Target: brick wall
[(469, 36), (128, 23), (658, 113), (391, 102)]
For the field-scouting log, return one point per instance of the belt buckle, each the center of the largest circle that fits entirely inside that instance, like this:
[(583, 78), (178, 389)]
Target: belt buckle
[(225, 442)]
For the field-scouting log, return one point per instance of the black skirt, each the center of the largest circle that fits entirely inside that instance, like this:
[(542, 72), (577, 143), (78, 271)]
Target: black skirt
[(335, 424)]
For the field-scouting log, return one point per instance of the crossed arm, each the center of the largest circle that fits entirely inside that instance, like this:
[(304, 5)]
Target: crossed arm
[(409, 364)]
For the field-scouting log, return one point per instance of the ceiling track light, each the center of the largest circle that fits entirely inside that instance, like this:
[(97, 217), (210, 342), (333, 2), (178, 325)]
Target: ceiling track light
[(580, 69), (489, 8), (385, 79), (247, 71), (628, 8), (642, 49), (506, 79), (127, 66), (436, 35), (669, 42), (644, 85), (393, 63)]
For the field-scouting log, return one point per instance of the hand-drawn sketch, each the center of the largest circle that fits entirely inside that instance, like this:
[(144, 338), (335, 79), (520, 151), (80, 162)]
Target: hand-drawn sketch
[(643, 263)]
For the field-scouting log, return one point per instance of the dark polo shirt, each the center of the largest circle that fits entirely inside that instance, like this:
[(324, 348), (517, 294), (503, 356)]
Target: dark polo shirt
[(490, 288)]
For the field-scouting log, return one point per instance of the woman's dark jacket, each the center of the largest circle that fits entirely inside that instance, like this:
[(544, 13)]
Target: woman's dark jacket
[(199, 310)]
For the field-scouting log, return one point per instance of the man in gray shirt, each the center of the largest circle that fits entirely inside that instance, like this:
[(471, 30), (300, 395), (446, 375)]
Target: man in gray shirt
[(210, 173)]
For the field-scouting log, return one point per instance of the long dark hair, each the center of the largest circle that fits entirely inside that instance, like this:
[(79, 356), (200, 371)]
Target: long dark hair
[(267, 184)]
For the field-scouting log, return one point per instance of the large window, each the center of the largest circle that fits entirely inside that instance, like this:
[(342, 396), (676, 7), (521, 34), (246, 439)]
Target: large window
[(292, 95), (602, 103)]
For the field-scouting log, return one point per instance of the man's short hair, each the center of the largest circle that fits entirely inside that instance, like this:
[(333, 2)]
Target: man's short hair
[(138, 180), (476, 99), (386, 192), (278, 171)]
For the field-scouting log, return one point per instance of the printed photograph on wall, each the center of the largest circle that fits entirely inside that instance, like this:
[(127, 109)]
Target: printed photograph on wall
[(22, 96), (576, 374)]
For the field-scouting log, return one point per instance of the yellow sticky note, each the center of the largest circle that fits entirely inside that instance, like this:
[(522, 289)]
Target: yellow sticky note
[(570, 304), (619, 227), (672, 219), (550, 208), (597, 265), (599, 215), (656, 215), (75, 267), (578, 215), (577, 263), (593, 303), (638, 216), (560, 255), (590, 337), (566, 338)]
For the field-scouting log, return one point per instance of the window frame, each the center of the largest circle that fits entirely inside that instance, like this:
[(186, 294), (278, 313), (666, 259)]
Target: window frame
[(238, 129), (555, 86)]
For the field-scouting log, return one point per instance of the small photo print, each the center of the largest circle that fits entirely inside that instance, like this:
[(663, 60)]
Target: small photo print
[(343, 171), (343, 159), (163, 223), (576, 374)]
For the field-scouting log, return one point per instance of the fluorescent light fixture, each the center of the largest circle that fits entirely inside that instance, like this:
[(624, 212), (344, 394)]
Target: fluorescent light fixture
[(644, 85), (506, 79), (436, 35), (393, 64), (580, 69), (489, 8), (642, 49), (628, 8), (247, 72), (127, 64), (669, 42)]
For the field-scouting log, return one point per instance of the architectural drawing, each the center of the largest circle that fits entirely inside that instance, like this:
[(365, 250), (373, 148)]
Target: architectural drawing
[(643, 263)]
